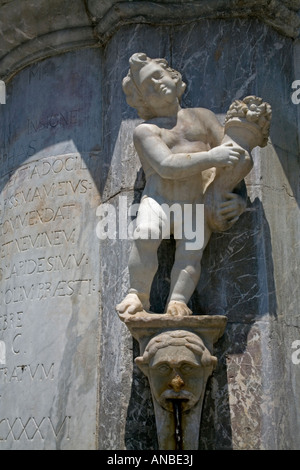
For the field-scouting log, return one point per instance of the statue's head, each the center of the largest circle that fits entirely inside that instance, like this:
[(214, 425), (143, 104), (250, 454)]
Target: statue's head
[(177, 364), (151, 85), (254, 112)]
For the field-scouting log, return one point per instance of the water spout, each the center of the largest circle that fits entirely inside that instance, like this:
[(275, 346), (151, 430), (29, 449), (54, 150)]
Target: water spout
[(177, 408)]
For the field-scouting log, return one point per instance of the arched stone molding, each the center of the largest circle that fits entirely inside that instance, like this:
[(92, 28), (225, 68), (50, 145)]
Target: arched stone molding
[(32, 30)]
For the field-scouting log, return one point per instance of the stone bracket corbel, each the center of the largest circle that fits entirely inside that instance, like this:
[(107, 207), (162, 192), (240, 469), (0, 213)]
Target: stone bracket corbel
[(176, 356)]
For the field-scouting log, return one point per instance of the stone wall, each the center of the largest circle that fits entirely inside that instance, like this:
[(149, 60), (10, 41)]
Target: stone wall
[(67, 379), (50, 274)]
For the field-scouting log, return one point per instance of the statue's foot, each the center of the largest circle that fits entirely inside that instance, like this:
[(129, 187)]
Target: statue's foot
[(131, 304), (178, 309)]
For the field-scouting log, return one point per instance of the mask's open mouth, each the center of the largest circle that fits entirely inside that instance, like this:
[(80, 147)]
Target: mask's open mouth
[(186, 399)]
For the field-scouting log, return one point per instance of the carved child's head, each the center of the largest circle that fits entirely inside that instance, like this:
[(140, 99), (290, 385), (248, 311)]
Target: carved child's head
[(177, 365), (151, 85), (253, 111)]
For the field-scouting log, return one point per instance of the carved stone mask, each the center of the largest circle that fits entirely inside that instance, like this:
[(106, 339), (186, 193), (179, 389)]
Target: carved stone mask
[(177, 368)]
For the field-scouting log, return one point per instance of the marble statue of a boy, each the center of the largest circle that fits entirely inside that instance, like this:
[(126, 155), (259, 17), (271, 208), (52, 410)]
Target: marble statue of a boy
[(177, 148)]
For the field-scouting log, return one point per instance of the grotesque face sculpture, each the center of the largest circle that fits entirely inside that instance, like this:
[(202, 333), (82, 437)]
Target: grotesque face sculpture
[(177, 365), (175, 373)]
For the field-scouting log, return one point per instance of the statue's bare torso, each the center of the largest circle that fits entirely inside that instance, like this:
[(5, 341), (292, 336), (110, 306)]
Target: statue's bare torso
[(192, 131)]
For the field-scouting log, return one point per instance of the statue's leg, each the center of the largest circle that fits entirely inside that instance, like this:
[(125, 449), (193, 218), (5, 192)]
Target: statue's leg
[(143, 261), (143, 264), (185, 276)]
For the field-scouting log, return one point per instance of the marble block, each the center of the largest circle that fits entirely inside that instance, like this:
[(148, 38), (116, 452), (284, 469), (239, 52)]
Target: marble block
[(49, 276)]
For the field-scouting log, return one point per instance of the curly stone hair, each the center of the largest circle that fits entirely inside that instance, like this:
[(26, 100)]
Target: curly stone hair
[(133, 95), (253, 110), (177, 338)]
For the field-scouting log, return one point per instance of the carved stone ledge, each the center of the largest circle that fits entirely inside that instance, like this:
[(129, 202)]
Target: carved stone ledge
[(100, 7), (45, 46), (32, 30), (279, 15), (143, 326)]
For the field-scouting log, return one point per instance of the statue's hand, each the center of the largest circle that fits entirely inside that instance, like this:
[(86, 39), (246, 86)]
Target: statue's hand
[(226, 155), (130, 305), (231, 209)]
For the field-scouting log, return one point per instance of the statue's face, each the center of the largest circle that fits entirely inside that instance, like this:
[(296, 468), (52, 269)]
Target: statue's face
[(175, 372), (157, 86)]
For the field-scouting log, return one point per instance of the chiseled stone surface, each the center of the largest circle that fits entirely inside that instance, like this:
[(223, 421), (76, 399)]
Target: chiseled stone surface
[(50, 255)]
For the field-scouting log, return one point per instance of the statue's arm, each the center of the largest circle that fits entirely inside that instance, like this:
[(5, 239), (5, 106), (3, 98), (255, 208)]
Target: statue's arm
[(241, 192), (215, 131), (233, 206), (169, 165)]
